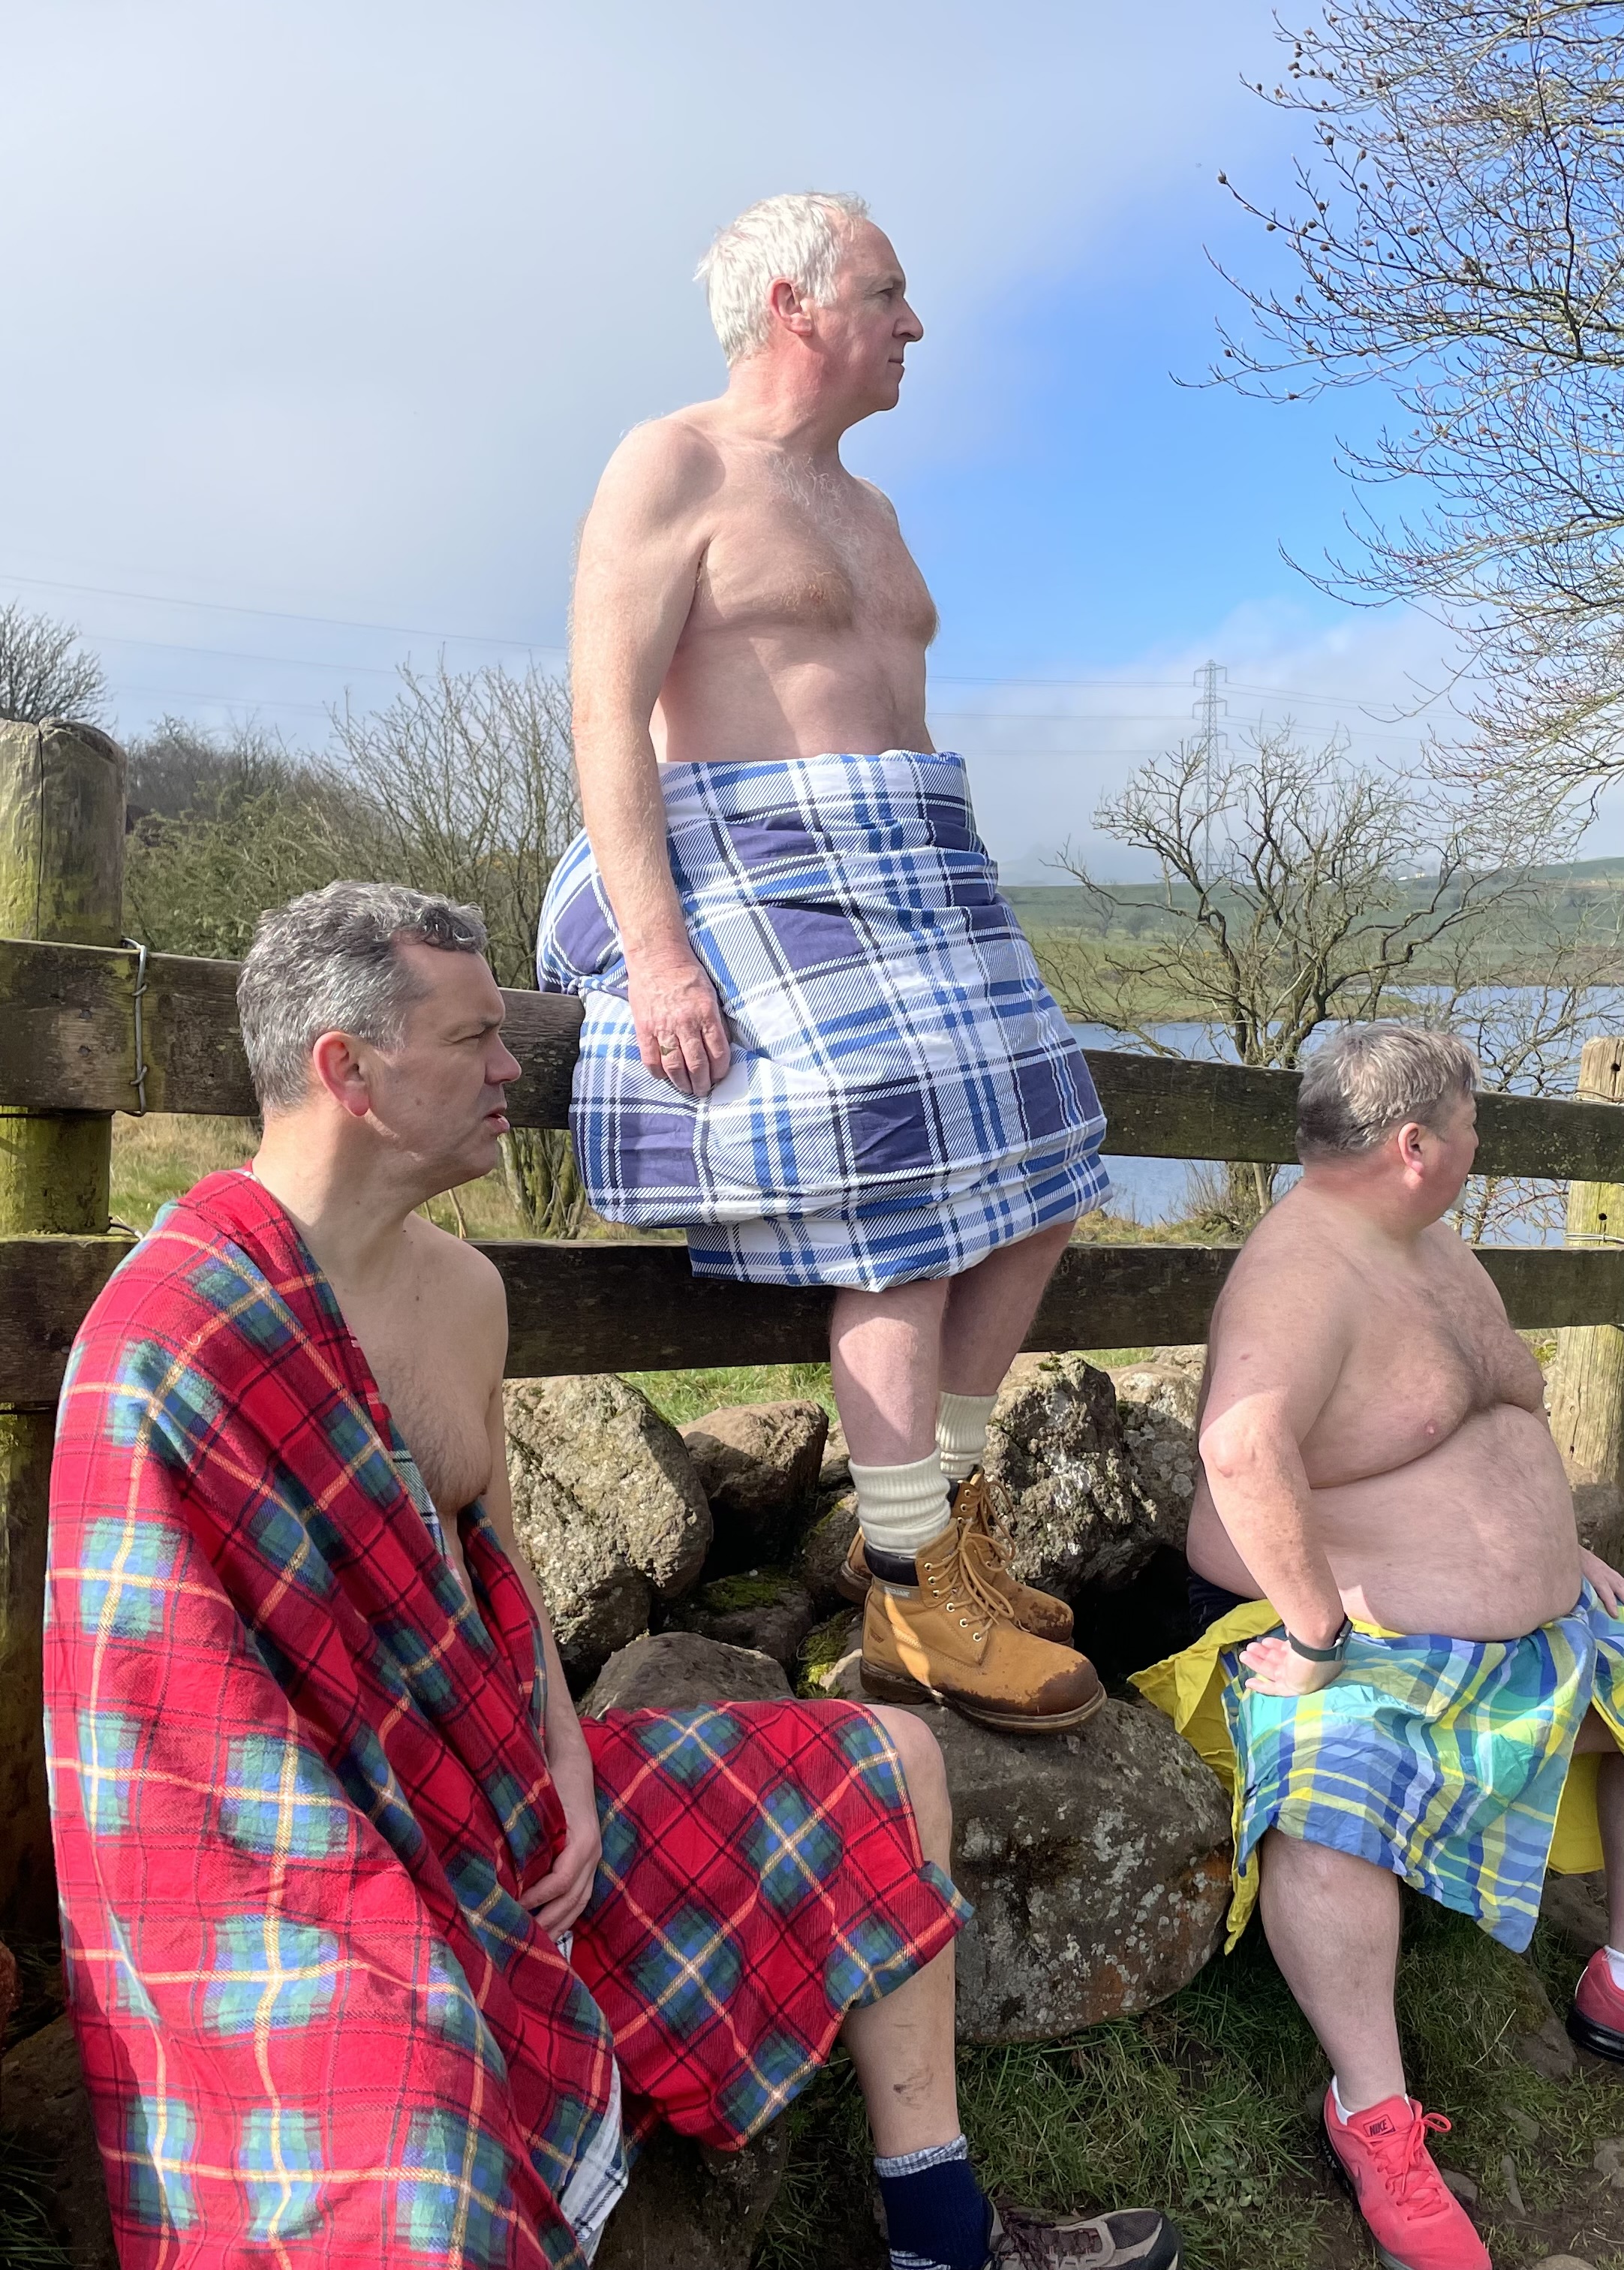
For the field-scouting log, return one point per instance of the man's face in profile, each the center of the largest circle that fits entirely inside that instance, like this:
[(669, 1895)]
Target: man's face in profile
[(440, 1095), (867, 323)]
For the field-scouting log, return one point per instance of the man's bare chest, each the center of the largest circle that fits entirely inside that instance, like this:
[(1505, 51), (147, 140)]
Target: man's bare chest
[(779, 559), (1424, 1360), (437, 1402)]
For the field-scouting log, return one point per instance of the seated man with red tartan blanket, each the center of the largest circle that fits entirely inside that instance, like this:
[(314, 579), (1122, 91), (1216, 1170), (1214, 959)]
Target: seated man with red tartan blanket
[(375, 1954)]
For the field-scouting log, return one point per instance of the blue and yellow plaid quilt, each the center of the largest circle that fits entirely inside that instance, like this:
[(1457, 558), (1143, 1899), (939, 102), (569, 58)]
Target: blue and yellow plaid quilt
[(1448, 1762)]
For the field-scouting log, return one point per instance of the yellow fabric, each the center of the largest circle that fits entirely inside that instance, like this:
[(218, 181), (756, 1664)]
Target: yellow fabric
[(1189, 1688)]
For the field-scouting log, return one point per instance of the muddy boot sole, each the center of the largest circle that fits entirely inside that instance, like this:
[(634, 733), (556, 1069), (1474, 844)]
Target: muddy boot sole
[(897, 1687)]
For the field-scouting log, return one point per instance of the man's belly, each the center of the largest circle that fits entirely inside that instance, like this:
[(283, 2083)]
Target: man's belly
[(1475, 1540)]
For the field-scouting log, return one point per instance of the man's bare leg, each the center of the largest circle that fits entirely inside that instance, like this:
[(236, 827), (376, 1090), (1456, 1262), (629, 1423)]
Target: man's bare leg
[(1332, 1922), (902, 2046), (891, 1354), (886, 1360), (990, 1308)]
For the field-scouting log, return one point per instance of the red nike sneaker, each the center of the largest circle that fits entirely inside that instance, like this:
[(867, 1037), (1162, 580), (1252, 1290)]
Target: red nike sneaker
[(1415, 2219), (1596, 2021)]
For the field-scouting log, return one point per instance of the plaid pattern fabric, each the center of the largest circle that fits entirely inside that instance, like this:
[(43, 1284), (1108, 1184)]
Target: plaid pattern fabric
[(298, 1789), (1442, 1760), (904, 1095), (760, 1859)]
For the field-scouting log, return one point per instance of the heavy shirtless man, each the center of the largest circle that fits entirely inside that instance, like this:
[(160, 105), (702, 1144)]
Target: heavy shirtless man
[(814, 1035), (1374, 1447)]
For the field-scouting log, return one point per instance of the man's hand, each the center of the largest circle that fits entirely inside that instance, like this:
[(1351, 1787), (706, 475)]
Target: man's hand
[(680, 1034), (1278, 1669), (563, 1892), (1605, 1582)]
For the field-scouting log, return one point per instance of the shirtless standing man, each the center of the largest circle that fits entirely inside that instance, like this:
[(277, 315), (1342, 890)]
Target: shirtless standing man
[(1375, 1447), (814, 1035)]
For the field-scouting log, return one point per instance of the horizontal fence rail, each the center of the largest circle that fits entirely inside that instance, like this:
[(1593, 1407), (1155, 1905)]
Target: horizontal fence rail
[(67, 1043), (627, 1305)]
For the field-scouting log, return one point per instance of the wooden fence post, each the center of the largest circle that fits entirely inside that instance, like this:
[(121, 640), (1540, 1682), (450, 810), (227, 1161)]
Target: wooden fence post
[(61, 872), (1587, 1381)]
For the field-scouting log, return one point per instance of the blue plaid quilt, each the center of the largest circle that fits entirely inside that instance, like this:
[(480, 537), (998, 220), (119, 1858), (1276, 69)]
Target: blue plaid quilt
[(904, 1095)]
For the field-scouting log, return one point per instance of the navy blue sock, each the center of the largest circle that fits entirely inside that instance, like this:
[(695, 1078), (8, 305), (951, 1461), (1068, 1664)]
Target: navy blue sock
[(937, 2215)]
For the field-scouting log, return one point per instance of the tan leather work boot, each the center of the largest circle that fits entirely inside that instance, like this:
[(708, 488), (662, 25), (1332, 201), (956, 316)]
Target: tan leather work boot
[(978, 1509), (935, 1629)]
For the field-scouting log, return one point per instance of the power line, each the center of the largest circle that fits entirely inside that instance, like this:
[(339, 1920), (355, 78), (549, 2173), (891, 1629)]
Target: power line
[(279, 615)]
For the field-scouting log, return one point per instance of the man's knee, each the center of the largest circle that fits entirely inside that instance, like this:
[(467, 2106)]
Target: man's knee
[(922, 1769)]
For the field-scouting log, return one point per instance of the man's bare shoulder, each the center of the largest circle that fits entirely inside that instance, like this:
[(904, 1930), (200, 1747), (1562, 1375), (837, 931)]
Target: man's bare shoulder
[(465, 1284), (1291, 1266), (661, 468), (873, 490)]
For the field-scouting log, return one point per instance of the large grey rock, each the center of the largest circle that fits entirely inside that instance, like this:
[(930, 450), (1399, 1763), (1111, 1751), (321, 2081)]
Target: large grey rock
[(688, 2207), (607, 1506), (1576, 1907), (757, 1463), (48, 2124), (1082, 1513), (1097, 1863), (767, 1609), (674, 1671), (1156, 1403), (824, 1548)]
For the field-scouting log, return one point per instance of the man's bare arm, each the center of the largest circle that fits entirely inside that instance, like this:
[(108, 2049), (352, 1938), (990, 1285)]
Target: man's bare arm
[(1278, 1348), (641, 549)]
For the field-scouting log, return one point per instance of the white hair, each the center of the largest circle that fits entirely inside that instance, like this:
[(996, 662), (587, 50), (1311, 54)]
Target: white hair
[(801, 237)]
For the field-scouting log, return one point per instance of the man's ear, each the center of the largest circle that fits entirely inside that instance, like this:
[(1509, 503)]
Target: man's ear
[(789, 307), (339, 1070), (1409, 1141)]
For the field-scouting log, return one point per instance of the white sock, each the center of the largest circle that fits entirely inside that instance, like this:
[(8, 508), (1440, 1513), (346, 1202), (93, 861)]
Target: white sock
[(902, 1509), (1615, 1964), (1336, 2098), (961, 1433)]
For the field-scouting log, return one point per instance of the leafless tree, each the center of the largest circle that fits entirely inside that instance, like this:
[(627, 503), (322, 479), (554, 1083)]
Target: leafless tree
[(464, 784), (1308, 891), (45, 672), (1458, 233)]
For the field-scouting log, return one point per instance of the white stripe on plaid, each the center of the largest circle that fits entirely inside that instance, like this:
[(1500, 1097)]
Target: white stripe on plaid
[(904, 1095)]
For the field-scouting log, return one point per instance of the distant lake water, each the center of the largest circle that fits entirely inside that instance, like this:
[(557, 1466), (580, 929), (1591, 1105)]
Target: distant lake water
[(1158, 1190)]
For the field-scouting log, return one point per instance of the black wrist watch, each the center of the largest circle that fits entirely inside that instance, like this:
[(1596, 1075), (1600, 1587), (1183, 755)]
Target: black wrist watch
[(1331, 1654)]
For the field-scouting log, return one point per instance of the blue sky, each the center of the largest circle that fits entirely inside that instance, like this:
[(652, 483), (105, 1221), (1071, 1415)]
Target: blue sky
[(338, 312)]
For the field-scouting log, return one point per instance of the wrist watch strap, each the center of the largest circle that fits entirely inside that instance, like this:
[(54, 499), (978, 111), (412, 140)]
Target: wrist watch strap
[(1331, 1654)]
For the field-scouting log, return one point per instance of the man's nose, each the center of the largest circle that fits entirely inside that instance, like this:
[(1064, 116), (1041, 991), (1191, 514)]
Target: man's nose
[(910, 326), (507, 1067)]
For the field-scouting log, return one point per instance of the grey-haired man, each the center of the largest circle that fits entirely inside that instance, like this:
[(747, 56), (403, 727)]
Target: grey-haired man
[(353, 1959), (1400, 1636), (815, 1036)]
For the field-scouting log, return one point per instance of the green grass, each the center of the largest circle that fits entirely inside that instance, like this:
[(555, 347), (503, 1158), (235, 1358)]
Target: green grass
[(684, 1396), (1202, 2106), (26, 2241)]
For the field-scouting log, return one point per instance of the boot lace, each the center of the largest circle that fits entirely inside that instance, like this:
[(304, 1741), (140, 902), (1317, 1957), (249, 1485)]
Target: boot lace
[(1407, 2168), (988, 1532), (959, 1588)]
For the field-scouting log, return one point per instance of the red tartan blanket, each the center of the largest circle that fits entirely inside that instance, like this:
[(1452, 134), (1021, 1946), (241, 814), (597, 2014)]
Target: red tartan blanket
[(298, 1786)]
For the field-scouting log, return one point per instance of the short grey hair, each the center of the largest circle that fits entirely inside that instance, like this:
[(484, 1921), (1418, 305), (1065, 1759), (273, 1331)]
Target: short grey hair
[(1367, 1080), (327, 962), (802, 236)]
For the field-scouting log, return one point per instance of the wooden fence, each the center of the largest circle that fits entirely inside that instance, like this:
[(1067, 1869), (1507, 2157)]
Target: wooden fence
[(89, 1027)]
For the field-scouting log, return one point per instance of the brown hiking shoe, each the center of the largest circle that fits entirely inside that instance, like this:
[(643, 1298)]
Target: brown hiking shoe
[(935, 1629), (979, 1508), (1134, 2238)]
